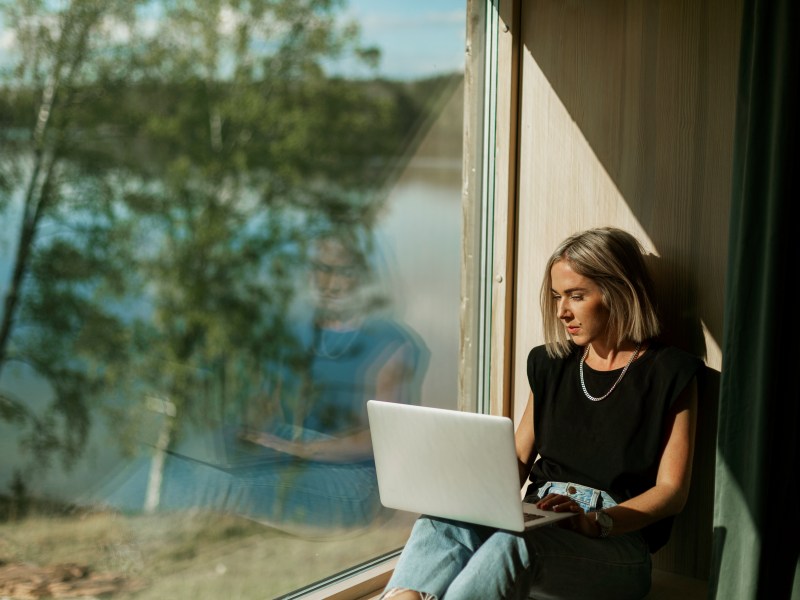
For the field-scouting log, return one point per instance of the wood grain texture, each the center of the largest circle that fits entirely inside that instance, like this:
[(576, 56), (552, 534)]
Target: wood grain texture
[(626, 118)]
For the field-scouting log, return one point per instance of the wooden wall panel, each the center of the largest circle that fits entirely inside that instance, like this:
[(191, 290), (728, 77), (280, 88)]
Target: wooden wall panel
[(626, 119)]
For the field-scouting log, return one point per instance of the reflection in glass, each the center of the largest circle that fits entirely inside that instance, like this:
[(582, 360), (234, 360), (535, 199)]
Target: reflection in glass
[(224, 228), (298, 456)]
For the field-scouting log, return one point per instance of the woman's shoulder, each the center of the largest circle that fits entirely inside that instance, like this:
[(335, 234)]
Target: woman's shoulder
[(387, 332), (673, 358), (389, 329), (540, 358), (538, 354), (671, 369), (542, 352)]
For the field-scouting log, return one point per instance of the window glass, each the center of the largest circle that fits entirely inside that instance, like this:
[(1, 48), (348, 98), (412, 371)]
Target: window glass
[(225, 226)]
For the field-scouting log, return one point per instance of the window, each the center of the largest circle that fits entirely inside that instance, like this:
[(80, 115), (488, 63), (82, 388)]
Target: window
[(225, 226)]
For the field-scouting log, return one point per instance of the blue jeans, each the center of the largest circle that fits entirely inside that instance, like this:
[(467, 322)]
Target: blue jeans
[(458, 561)]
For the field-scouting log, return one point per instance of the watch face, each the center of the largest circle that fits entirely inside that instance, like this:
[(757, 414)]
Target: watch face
[(605, 521)]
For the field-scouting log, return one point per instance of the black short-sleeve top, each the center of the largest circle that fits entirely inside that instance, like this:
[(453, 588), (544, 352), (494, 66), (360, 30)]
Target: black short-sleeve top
[(614, 444)]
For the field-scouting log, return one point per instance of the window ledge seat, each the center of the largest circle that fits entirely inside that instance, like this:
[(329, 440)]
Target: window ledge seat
[(668, 586)]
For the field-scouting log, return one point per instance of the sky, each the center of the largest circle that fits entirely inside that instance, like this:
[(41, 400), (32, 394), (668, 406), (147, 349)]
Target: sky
[(416, 37)]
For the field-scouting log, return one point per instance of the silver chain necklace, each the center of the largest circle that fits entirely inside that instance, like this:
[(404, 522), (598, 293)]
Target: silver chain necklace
[(621, 375), (336, 350)]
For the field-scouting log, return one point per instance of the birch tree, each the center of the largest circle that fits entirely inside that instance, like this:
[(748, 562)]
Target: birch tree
[(161, 163)]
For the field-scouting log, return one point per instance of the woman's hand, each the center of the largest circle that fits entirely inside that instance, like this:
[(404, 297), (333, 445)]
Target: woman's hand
[(582, 522), (275, 442), (352, 448)]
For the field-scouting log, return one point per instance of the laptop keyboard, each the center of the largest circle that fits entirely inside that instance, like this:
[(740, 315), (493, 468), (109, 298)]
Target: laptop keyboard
[(528, 514), (531, 518)]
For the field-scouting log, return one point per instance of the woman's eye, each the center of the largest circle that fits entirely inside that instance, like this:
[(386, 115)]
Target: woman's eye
[(576, 297)]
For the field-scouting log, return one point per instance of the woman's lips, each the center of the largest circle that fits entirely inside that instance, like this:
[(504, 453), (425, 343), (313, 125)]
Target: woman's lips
[(572, 330)]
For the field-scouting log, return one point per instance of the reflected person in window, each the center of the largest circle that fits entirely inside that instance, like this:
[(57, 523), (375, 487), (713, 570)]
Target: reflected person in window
[(351, 350), (302, 459), (607, 434)]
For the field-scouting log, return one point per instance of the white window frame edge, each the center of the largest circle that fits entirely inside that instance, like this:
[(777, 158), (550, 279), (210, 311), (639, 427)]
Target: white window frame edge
[(479, 203), (504, 153)]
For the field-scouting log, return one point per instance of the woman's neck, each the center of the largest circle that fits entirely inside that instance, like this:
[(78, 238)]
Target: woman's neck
[(608, 357), (339, 322)]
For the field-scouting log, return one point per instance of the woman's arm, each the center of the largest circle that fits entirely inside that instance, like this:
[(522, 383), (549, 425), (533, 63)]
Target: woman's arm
[(390, 381), (346, 449), (668, 496), (394, 376), (524, 439)]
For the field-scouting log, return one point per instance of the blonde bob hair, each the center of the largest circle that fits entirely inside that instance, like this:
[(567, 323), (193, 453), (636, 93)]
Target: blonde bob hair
[(614, 260)]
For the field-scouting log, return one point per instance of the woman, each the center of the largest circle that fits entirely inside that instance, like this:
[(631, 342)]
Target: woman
[(346, 351), (607, 434)]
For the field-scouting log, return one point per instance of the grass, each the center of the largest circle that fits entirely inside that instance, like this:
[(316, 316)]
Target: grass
[(194, 555)]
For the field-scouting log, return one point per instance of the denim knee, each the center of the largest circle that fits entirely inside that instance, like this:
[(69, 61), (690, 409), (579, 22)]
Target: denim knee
[(500, 568), (436, 552)]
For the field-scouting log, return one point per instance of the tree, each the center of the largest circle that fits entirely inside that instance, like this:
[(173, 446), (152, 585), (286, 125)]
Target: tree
[(43, 87), (164, 163)]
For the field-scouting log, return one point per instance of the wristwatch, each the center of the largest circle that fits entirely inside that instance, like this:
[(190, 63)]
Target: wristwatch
[(604, 522)]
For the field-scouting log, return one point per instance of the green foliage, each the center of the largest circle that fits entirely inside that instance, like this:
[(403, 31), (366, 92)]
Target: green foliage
[(165, 162)]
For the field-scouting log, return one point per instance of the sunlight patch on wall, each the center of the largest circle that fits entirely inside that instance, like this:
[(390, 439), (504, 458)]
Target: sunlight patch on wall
[(713, 350)]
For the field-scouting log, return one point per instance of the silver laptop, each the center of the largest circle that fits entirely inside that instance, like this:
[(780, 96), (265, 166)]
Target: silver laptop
[(450, 464)]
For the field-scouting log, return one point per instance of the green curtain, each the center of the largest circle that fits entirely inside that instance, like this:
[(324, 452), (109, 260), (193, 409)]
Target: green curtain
[(756, 519)]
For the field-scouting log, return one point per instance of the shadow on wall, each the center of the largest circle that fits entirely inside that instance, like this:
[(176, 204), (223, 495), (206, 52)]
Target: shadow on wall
[(652, 88), (681, 325), (689, 550)]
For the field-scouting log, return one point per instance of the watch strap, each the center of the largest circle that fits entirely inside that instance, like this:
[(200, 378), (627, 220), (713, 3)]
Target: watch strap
[(604, 522)]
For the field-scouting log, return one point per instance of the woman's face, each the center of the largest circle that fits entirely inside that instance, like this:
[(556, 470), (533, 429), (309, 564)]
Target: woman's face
[(335, 275), (579, 304)]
